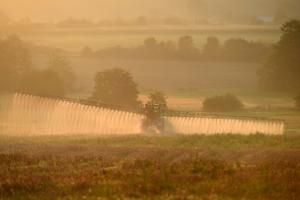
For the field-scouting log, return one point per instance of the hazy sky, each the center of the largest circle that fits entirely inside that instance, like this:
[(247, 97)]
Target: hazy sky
[(45, 10), (57, 9)]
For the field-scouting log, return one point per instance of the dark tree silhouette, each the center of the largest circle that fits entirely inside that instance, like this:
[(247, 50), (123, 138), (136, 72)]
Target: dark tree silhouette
[(282, 71), (116, 87), (222, 103)]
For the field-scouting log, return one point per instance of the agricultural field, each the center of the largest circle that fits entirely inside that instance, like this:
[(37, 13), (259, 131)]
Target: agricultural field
[(159, 166), (150, 167)]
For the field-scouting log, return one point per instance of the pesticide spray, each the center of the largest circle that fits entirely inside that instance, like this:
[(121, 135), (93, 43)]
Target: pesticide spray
[(23, 114)]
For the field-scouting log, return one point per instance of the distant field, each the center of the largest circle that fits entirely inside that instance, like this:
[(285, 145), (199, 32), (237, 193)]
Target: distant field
[(75, 39), (150, 167), (173, 75)]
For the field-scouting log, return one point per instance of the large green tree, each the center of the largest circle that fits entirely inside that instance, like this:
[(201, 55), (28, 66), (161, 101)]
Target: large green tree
[(116, 87), (282, 71)]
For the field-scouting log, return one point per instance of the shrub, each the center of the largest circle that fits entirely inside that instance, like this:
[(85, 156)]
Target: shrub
[(222, 103)]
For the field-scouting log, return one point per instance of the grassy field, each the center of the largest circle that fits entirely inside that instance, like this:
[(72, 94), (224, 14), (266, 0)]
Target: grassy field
[(150, 167)]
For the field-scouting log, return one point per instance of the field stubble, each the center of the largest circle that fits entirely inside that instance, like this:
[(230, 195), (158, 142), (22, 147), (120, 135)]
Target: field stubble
[(150, 167)]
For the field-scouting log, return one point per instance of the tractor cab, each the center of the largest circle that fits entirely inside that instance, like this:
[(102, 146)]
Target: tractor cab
[(153, 121)]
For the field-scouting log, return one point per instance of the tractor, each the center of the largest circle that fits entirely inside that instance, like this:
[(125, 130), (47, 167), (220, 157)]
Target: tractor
[(153, 120)]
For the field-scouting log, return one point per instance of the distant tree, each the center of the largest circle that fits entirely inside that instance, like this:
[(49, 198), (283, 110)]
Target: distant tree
[(141, 21), (297, 101), (86, 51), (73, 23), (150, 43), (42, 82), (150, 49), (59, 64), (237, 49), (15, 60), (187, 48), (158, 97), (212, 48), (222, 103), (282, 71), (115, 86)]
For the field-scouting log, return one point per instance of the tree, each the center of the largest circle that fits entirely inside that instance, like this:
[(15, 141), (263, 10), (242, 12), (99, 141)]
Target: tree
[(187, 48), (150, 43), (42, 82), (212, 48), (237, 49), (18, 75), (158, 97), (15, 60), (59, 64), (86, 51), (282, 71), (116, 87), (222, 103)]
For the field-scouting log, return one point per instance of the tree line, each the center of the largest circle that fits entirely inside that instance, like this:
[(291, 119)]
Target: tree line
[(233, 50), (19, 74)]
